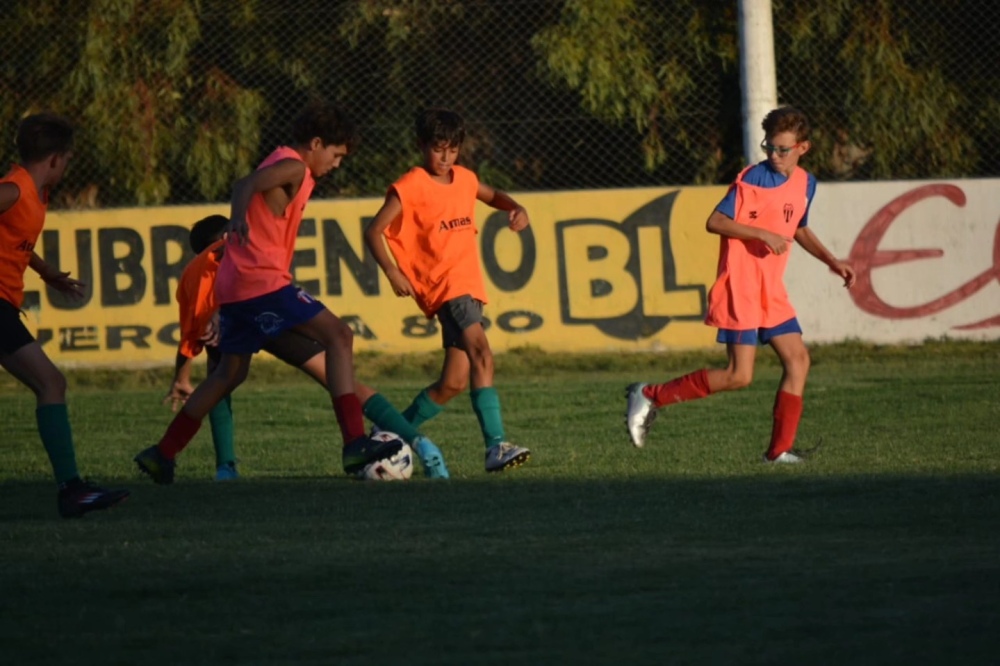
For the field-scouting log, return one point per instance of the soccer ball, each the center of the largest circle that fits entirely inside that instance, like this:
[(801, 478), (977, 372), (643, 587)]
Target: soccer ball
[(397, 468)]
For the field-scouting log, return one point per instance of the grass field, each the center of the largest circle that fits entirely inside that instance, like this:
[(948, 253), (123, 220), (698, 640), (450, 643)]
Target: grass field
[(885, 549)]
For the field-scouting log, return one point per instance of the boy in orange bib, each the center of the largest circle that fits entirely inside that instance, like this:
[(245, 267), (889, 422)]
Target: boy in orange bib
[(45, 145), (764, 211), (428, 223)]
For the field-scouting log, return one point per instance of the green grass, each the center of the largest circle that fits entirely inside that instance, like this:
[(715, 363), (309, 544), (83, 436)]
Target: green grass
[(884, 549)]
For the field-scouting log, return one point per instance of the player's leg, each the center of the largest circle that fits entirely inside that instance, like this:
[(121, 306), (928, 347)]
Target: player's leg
[(791, 350), (643, 400), (454, 379), (220, 420), (466, 314), (25, 360), (337, 341), (158, 462)]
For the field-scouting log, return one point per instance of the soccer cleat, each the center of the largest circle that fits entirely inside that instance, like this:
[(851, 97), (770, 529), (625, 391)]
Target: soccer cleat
[(431, 458), (505, 456), (639, 414), (226, 472), (77, 497), (153, 464), (786, 458), (363, 451)]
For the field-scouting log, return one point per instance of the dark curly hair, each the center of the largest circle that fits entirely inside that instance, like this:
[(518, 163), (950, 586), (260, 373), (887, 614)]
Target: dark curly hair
[(786, 119), (42, 135)]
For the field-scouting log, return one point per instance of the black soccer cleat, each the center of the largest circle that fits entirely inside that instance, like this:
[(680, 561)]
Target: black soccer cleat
[(77, 497), (363, 451)]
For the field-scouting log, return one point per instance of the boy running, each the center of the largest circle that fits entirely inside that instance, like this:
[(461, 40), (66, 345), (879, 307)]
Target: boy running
[(44, 143), (428, 223), (764, 211), (258, 301)]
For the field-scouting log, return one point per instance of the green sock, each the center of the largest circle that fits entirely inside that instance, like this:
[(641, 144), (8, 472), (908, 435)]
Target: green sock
[(381, 412), (486, 405), (221, 419), (422, 409), (57, 437)]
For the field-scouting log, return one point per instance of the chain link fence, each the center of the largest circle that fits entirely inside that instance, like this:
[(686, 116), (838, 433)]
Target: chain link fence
[(175, 99)]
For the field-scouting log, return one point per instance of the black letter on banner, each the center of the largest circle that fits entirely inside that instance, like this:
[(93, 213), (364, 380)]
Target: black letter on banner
[(163, 270), (364, 269), (84, 268), (512, 280), (169, 335), (306, 258), (130, 264), (531, 322), (418, 326), (136, 335), (78, 338)]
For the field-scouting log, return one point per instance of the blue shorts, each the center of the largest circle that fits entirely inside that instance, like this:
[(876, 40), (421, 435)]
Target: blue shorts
[(757, 336), (246, 326)]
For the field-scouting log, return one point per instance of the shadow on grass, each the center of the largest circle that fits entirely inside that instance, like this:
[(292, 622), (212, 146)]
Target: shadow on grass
[(747, 570)]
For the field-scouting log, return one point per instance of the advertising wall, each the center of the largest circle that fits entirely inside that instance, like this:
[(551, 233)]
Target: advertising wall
[(596, 271)]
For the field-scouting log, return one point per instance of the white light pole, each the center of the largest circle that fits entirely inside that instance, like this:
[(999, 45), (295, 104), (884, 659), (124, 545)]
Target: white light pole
[(757, 72)]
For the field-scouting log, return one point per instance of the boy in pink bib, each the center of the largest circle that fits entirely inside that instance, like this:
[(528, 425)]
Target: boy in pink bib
[(764, 211)]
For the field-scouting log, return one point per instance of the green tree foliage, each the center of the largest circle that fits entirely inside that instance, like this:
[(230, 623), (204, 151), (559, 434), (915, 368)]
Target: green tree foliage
[(175, 99)]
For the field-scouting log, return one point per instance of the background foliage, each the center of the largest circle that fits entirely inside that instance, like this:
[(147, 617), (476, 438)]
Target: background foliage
[(177, 98)]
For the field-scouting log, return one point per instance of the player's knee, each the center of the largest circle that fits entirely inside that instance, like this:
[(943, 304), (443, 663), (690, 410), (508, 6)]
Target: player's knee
[(738, 380), (342, 335), (798, 363), (449, 388), (52, 388), (481, 357)]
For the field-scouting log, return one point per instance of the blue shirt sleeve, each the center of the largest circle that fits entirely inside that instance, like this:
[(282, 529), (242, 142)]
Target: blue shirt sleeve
[(762, 175)]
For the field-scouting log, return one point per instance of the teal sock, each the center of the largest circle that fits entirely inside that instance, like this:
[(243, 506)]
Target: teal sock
[(221, 420), (422, 409), (57, 438), (381, 412), (486, 405)]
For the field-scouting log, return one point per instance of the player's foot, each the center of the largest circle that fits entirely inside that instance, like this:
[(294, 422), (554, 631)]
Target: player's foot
[(153, 464), (639, 414), (431, 458), (505, 456), (226, 472), (363, 451), (786, 458), (77, 497)]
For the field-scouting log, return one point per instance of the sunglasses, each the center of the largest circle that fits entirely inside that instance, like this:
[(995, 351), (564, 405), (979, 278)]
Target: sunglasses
[(781, 150)]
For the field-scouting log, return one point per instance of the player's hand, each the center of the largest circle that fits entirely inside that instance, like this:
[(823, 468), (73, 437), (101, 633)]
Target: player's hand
[(238, 229), (178, 394), (845, 271), (777, 244), (62, 282), (517, 219), (210, 336), (400, 284)]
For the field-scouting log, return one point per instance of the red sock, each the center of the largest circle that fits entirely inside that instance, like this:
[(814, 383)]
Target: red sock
[(688, 387), (180, 431), (787, 413), (349, 417)]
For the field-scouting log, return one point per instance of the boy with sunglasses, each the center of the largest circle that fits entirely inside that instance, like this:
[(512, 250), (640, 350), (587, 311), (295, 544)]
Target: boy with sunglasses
[(764, 210)]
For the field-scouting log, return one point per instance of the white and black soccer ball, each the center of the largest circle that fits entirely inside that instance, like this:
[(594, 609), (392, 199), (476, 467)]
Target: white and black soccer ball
[(397, 468)]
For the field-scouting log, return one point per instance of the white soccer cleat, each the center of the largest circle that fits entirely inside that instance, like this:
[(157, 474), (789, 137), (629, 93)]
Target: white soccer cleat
[(639, 414), (786, 458), (505, 456)]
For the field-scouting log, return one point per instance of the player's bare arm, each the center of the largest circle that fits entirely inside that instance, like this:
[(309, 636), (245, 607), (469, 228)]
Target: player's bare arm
[(517, 216), (811, 244), (279, 183), (9, 194), (723, 225), (55, 278), (391, 210)]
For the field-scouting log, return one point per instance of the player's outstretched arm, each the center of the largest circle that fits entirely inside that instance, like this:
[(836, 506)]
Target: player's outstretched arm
[(811, 244), (517, 215), (391, 211), (723, 225), (55, 278), (278, 182)]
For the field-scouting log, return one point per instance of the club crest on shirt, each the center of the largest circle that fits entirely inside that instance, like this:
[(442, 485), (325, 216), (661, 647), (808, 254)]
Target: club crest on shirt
[(788, 211)]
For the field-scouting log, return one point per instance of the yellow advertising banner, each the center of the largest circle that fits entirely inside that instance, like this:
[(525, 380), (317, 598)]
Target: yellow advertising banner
[(597, 270)]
